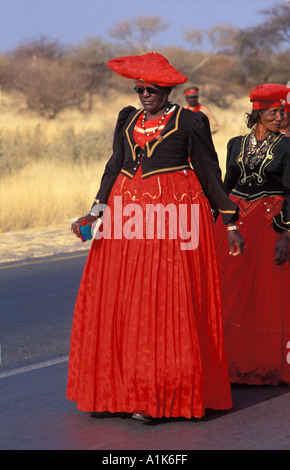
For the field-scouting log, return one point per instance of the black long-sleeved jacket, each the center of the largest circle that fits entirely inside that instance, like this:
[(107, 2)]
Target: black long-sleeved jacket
[(185, 138), (270, 178)]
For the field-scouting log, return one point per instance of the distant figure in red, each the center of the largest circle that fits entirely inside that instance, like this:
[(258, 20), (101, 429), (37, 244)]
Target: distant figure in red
[(191, 95)]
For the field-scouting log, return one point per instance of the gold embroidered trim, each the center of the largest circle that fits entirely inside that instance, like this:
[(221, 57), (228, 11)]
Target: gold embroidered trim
[(260, 177), (286, 223), (127, 173), (179, 197), (162, 170), (259, 195), (227, 212), (271, 205), (133, 149), (283, 228), (136, 197)]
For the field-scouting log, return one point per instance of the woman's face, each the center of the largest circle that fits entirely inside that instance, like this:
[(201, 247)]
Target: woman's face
[(272, 118), (286, 123), (155, 103), (192, 100)]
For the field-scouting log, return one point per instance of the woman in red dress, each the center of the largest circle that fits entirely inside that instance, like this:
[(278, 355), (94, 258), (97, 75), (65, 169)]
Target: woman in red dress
[(147, 332), (256, 287)]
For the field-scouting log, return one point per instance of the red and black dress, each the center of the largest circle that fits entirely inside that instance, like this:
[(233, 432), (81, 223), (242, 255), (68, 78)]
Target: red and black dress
[(255, 291), (147, 330)]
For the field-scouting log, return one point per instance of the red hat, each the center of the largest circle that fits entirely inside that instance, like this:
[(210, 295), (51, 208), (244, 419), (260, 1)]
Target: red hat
[(191, 92), (151, 68), (269, 96)]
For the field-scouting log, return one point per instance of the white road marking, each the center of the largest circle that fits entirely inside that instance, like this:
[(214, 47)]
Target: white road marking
[(16, 264), (31, 367)]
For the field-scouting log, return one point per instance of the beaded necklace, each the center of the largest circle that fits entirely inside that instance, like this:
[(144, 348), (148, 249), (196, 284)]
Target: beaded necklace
[(159, 124), (257, 150)]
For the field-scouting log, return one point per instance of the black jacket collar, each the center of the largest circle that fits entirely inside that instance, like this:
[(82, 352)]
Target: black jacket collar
[(170, 127)]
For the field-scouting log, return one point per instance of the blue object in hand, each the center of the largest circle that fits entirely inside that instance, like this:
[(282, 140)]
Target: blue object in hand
[(86, 232)]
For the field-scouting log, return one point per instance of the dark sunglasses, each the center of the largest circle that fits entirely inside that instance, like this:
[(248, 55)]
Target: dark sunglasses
[(152, 90)]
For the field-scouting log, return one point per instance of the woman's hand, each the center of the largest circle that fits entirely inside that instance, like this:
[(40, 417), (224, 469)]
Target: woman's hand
[(236, 242), (75, 227), (282, 249)]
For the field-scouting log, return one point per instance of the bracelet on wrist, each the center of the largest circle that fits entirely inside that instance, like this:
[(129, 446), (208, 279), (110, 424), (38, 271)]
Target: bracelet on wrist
[(232, 227)]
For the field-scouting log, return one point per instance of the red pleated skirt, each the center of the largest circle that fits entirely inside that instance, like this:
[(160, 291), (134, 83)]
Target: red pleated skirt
[(147, 329), (255, 298)]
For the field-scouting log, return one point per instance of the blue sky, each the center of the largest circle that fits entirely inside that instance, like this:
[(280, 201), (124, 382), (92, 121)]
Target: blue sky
[(72, 21)]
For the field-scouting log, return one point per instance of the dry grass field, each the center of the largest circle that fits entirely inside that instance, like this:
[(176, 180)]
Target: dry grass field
[(51, 169)]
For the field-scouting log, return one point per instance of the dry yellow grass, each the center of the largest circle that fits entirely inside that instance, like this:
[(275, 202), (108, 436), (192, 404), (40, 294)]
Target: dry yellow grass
[(46, 193), (16, 119), (50, 190), (232, 123)]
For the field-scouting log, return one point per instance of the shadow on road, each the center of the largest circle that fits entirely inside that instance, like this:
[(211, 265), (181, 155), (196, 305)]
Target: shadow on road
[(243, 396)]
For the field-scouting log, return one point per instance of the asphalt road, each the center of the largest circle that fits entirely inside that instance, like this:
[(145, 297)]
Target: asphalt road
[(36, 311)]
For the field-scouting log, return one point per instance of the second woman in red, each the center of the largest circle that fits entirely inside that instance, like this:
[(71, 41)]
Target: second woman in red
[(256, 287)]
